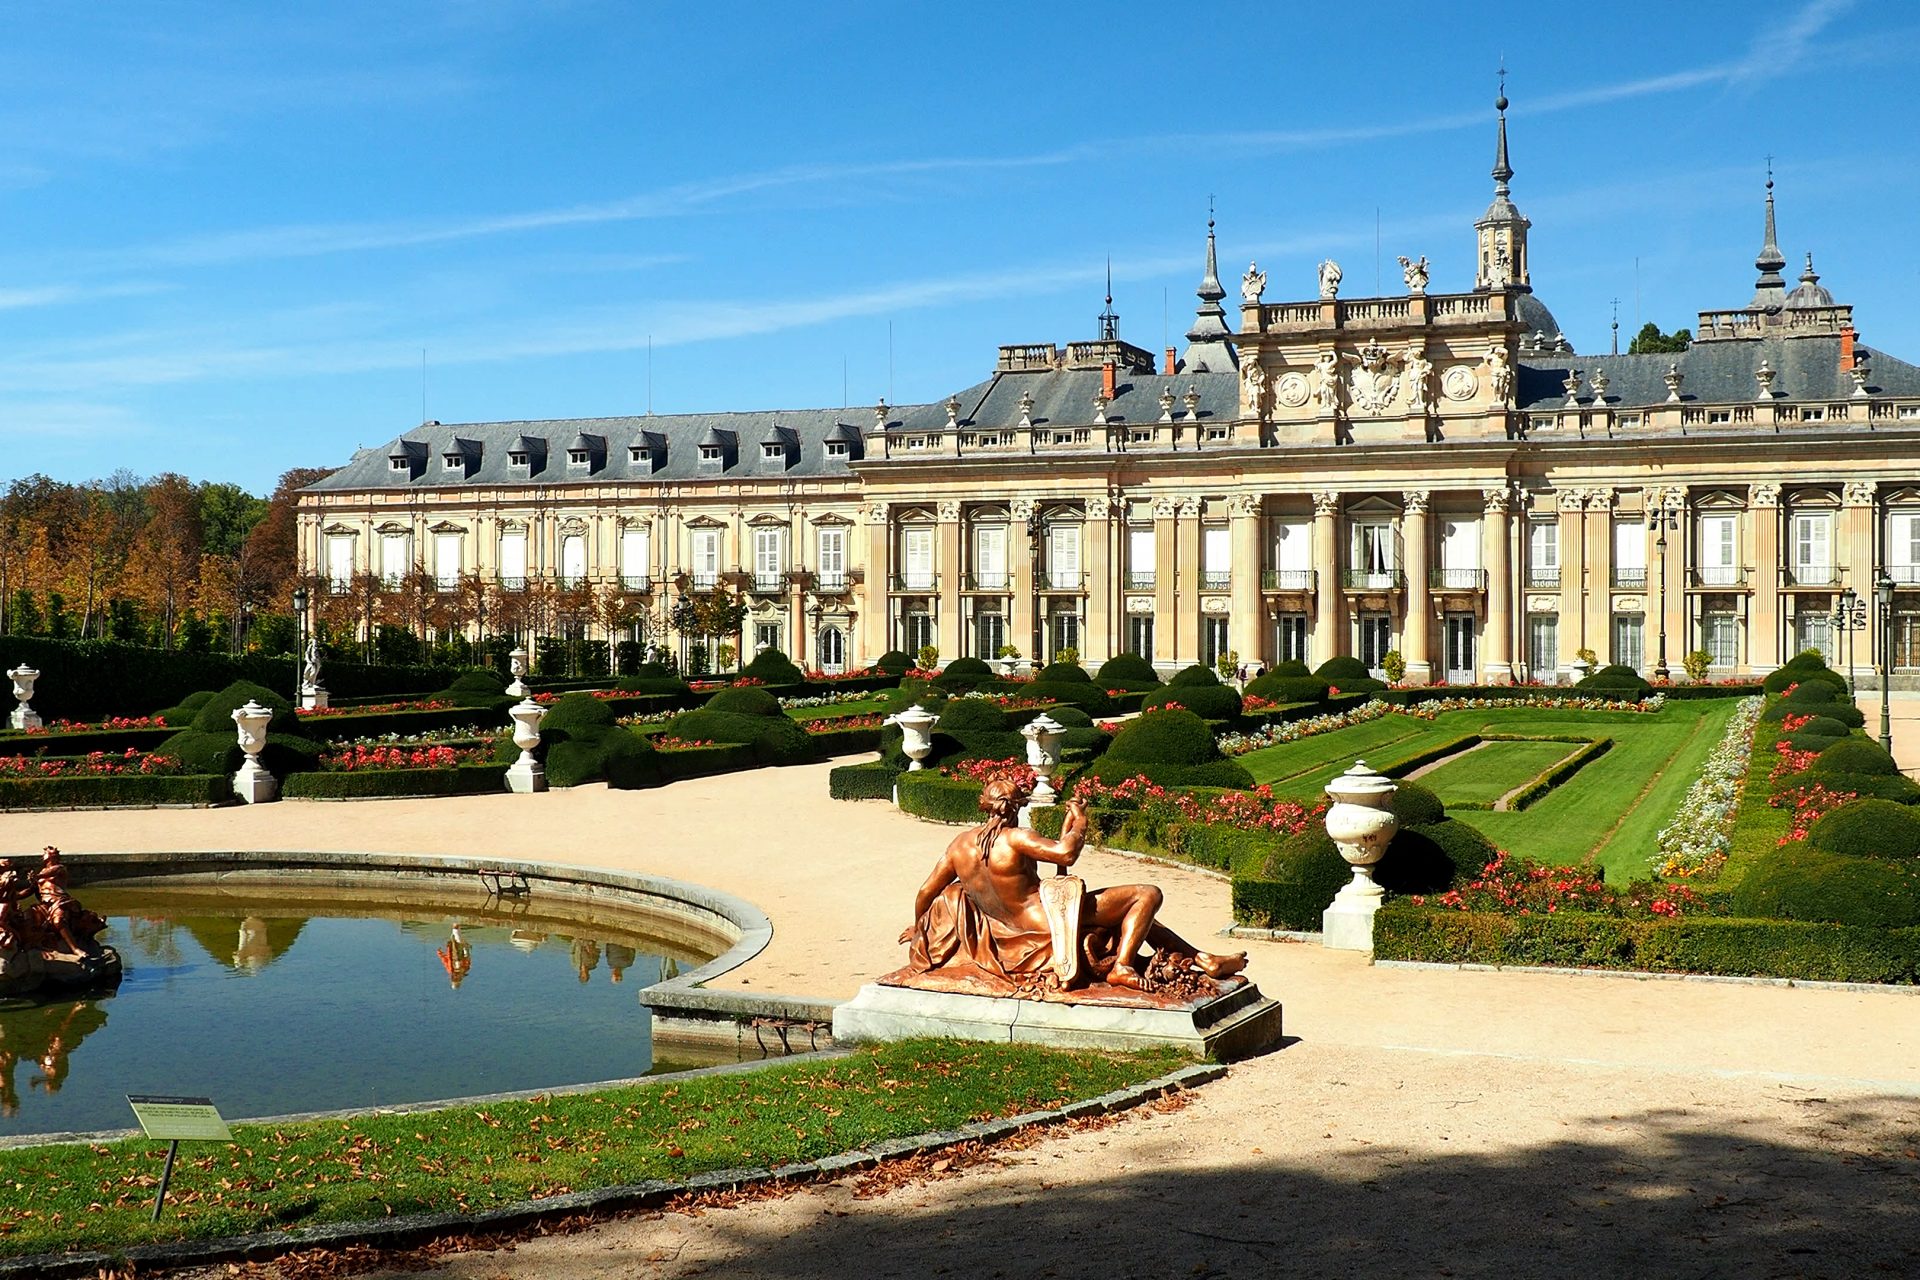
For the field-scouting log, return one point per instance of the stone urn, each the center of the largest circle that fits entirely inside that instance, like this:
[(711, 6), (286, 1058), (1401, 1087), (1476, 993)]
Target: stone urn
[(24, 716), (916, 729), (253, 784), (526, 775), (1043, 753), (1362, 824), (517, 664), (1581, 668)]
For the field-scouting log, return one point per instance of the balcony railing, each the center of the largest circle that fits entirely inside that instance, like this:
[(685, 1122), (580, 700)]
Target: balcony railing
[(915, 581), (1216, 579), (569, 581), (635, 582), (704, 581), (1374, 580), (1719, 575), (1457, 579), (1904, 575), (830, 581), (1542, 576), (1630, 579), (1287, 580), (768, 584), (1812, 575), (998, 580), (1067, 580), (513, 584), (1140, 579)]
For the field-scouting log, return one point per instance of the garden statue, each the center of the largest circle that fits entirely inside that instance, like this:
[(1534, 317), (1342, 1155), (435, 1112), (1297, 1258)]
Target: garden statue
[(986, 923), (24, 716), (46, 936), (313, 693)]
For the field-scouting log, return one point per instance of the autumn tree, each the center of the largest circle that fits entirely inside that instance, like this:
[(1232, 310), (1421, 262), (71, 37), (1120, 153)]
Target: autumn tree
[(164, 559)]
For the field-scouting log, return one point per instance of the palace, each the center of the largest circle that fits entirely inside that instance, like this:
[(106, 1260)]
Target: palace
[(1437, 474)]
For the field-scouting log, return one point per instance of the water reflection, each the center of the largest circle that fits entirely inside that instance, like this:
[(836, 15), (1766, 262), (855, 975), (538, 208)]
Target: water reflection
[(337, 1007)]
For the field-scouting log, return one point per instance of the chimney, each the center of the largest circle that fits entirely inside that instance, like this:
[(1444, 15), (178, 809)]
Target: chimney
[(1106, 380), (1169, 370), (1846, 348)]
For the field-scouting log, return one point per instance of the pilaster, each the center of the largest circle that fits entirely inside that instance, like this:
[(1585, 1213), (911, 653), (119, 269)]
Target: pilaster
[(1186, 626), (1098, 641), (877, 613), (1166, 648), (1416, 639), (1573, 576), (952, 576), (1247, 630), (1765, 642), (1498, 641), (1327, 639)]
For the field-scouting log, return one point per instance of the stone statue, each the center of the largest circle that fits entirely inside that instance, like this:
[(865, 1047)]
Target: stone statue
[(310, 665), (985, 922), (1500, 375), (1329, 279), (1417, 377), (1257, 389), (1253, 284), (1326, 386), (1414, 273)]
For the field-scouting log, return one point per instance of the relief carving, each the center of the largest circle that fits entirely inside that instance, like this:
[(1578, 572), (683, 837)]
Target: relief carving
[(1459, 383), (1764, 495), (1326, 503), (1858, 493), (1417, 376), (1255, 389), (1416, 501), (1375, 379), (1253, 284), (1292, 390), (1326, 369), (1499, 375), (1244, 504)]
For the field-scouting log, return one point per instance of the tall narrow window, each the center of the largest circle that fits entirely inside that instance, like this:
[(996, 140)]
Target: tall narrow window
[(990, 558), (1459, 553), (1291, 637), (1140, 559), (1216, 559), (705, 546), (1292, 557), (1374, 560), (636, 557), (1719, 558), (1629, 555), (1543, 645), (1063, 557), (573, 559), (394, 560), (446, 560), (1140, 635), (1812, 551), (1543, 554), (833, 559), (339, 562), (1630, 640), (1213, 639), (513, 559), (769, 555), (916, 543)]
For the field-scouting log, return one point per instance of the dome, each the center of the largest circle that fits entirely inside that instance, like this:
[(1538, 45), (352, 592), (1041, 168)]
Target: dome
[(1810, 294), (1535, 318)]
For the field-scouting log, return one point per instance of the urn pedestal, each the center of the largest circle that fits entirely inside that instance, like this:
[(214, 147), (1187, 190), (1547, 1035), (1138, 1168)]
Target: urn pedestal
[(24, 716), (252, 783), (1362, 824), (526, 775)]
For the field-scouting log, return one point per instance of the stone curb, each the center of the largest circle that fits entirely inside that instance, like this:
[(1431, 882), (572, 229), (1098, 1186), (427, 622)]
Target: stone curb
[(415, 1228), (1647, 975)]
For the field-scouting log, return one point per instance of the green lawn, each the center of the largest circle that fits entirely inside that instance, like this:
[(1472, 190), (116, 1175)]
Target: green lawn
[(866, 706), (1486, 773), (1609, 812)]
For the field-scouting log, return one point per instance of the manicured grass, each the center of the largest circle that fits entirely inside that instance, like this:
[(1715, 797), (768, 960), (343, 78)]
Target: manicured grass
[(1486, 773), (1758, 827), (866, 706), (472, 1158), (1609, 811)]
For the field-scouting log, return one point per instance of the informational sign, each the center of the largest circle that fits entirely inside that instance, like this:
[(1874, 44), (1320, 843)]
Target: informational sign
[(175, 1119)]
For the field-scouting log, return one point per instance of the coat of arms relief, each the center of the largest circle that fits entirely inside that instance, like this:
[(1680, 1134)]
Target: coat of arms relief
[(1375, 379)]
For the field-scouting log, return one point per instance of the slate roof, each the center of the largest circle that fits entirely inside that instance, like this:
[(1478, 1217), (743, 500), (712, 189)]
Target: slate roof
[(1806, 369), (1065, 396)]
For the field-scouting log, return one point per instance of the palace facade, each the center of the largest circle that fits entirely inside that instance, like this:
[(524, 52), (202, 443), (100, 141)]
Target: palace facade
[(1437, 474)]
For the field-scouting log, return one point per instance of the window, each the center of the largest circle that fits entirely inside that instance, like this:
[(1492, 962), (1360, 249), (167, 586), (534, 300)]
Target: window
[(1063, 557), (1216, 563), (636, 557), (1630, 640), (1459, 632), (1140, 558), (513, 560), (916, 632), (397, 462), (1373, 554), (578, 457), (1906, 641), (1903, 547), (1065, 632), (394, 560), (1543, 645), (832, 649), (1720, 637), (710, 453), (766, 635), (1812, 548), (1810, 631), (706, 559), (836, 448), (1213, 639), (1543, 554), (773, 451), (990, 559), (1290, 637), (452, 462), (916, 558), (1718, 560), (989, 634), (1459, 553), (1629, 555), (339, 562), (573, 559), (1719, 417), (1140, 635), (637, 453), (1813, 415), (1291, 554), (446, 561), (769, 559), (517, 458), (833, 559), (1373, 636)]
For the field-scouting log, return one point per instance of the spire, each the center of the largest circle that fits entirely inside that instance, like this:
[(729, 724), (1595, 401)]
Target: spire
[(1209, 342), (1502, 230), (1770, 290), (1109, 322), (1502, 171)]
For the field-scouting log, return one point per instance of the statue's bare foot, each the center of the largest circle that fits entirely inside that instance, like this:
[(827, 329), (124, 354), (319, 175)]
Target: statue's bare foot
[(1220, 966), (1125, 975)]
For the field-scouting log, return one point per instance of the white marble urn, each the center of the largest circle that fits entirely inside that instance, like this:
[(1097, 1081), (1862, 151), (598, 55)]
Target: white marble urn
[(253, 783), (24, 716), (526, 774), (517, 664), (251, 722), (916, 729), (1043, 753), (1362, 824)]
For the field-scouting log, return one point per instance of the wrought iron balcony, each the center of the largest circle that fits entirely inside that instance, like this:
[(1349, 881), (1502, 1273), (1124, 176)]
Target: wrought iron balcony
[(830, 582), (1069, 580), (1140, 580), (1719, 575), (1904, 575), (1457, 579), (768, 584), (635, 582), (1630, 579), (1374, 580), (513, 584), (997, 580), (1543, 576), (570, 581), (921, 581), (704, 581), (1216, 579), (1288, 580), (1812, 575)]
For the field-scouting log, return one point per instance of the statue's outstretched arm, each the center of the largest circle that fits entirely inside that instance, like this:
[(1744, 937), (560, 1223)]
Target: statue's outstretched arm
[(1063, 852)]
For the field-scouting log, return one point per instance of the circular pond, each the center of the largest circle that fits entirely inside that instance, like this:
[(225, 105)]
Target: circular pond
[(273, 1000)]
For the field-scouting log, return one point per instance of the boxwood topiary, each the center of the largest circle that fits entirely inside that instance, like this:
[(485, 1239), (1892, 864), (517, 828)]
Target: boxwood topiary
[(1616, 678), (572, 712), (209, 743), (1063, 673), (963, 714), (775, 739), (964, 675), (1288, 667), (1343, 671), (651, 677), (1071, 717), (1854, 755), (482, 688), (1089, 697), (1868, 828), (894, 662), (182, 715), (1798, 669), (1165, 737), (1127, 671), (1277, 687), (1211, 702), (1416, 806), (745, 700), (1815, 884), (1187, 677), (1433, 857), (771, 666)]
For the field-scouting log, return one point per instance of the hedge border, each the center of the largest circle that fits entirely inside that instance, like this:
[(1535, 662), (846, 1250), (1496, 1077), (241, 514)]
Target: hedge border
[(868, 780), (370, 784), (200, 790), (1543, 784), (701, 762), (80, 743), (929, 794)]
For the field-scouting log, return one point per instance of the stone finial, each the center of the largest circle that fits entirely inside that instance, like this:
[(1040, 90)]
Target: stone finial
[(1673, 378), (1764, 376), (1415, 274), (1571, 383), (1329, 273), (1099, 407), (1599, 381), (1166, 404), (1191, 401), (880, 412), (1026, 408), (953, 412), (1860, 373)]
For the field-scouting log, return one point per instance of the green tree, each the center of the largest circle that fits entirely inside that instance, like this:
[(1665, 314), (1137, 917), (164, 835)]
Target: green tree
[(1650, 341)]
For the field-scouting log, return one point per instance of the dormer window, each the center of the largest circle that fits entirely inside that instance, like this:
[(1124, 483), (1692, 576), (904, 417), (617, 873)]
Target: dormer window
[(836, 448), (578, 457), (710, 453), (517, 457), (773, 451), (452, 461), (398, 462), (636, 453)]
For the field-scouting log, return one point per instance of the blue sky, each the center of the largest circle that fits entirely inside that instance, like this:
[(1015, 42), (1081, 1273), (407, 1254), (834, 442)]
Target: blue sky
[(227, 231)]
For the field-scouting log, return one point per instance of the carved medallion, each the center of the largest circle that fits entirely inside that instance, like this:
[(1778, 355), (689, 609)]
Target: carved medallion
[(1458, 383), (1629, 604), (1542, 604), (1215, 604), (1139, 604), (1292, 390)]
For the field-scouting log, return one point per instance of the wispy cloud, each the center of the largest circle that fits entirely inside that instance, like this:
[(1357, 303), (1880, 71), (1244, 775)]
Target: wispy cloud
[(53, 295)]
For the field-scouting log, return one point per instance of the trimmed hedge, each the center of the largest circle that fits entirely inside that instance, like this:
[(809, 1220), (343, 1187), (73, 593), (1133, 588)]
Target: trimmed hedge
[(929, 794), (700, 762), (1538, 789), (868, 780), (1208, 701), (773, 667), (1165, 737), (1197, 674), (1815, 885), (363, 784), (844, 742), (1277, 687), (1854, 755), (775, 739), (1868, 828), (341, 727), (748, 700), (1127, 670), (1700, 944), (136, 790), (1615, 681), (1063, 673), (209, 745), (114, 741)]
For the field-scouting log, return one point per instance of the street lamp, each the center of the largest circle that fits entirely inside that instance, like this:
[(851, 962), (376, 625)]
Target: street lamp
[(1883, 591), (1036, 532), (1849, 615), (1660, 520), (299, 638)]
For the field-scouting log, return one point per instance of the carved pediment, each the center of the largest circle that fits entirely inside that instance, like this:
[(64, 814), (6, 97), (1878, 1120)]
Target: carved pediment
[(447, 526), (767, 520), (831, 518), (706, 522), (1720, 500), (336, 530), (390, 527)]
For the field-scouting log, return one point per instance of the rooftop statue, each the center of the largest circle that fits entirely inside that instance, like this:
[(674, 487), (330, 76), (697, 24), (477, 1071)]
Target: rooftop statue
[(985, 922)]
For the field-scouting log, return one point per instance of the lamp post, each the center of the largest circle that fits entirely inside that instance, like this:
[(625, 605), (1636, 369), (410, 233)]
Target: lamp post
[(1660, 520), (1850, 615), (1883, 592), (299, 638), (1036, 533)]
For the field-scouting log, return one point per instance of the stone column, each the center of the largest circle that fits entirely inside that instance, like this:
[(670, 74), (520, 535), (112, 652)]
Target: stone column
[(1497, 667), (1572, 521), (1328, 641), (1857, 532), (952, 576), (1166, 623), (1764, 641), (801, 639), (1416, 636), (877, 609), (1020, 564), (1098, 642), (1187, 603), (1597, 557), (1247, 630)]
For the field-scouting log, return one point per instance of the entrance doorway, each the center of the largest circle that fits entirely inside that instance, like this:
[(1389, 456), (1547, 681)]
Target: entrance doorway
[(1374, 636), (1459, 639)]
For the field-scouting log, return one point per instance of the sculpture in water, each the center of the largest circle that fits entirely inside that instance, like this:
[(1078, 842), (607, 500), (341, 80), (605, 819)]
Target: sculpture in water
[(986, 922), (46, 936)]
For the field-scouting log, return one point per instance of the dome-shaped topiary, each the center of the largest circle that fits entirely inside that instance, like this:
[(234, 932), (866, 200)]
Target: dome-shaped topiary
[(610, 754), (893, 661), (745, 700), (1288, 667), (1433, 857), (968, 667), (1187, 677), (1817, 885), (1868, 828), (1823, 727), (572, 712), (478, 680), (1090, 698), (1063, 673), (773, 667), (1276, 686), (1800, 667), (1343, 671), (775, 739), (1854, 755), (1210, 702), (216, 713), (1815, 690), (181, 716), (210, 744), (1415, 805), (962, 715), (1616, 678), (1071, 717), (1124, 670), (1164, 737)]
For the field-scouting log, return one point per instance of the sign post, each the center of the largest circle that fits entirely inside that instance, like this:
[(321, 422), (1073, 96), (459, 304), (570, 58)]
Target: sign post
[(173, 1120)]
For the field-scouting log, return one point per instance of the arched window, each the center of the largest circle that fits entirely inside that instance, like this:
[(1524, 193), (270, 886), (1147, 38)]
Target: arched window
[(832, 649)]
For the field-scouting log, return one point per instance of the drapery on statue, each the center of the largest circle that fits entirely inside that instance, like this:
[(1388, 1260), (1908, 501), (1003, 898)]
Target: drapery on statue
[(986, 922), (45, 934)]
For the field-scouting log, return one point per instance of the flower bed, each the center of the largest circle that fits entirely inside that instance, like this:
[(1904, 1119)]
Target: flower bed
[(1239, 744), (362, 758), (1697, 840), (379, 708), (95, 764), (843, 724), (1524, 888), (96, 726), (833, 699)]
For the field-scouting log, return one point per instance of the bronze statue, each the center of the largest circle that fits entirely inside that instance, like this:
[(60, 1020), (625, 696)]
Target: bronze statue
[(46, 936), (986, 921)]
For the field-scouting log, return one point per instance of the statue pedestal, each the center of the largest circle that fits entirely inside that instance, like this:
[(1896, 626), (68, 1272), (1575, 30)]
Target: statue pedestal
[(524, 777), (253, 784), (1234, 1024), (25, 718), (1347, 923), (313, 697)]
